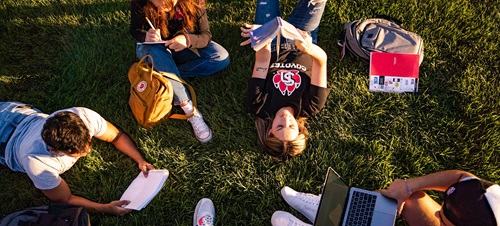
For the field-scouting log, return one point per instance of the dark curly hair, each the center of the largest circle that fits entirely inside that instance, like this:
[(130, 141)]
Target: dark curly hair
[(65, 132)]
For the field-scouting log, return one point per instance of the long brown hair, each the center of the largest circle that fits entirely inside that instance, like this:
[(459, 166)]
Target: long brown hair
[(277, 149), (191, 10)]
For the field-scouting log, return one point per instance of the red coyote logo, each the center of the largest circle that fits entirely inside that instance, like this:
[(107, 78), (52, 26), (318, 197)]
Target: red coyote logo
[(287, 81)]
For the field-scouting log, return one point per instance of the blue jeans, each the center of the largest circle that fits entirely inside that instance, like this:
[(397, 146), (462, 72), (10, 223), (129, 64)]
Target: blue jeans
[(11, 114), (186, 63), (305, 16)]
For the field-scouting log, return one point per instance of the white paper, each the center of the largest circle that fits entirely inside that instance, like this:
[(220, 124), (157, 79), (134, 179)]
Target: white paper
[(142, 190)]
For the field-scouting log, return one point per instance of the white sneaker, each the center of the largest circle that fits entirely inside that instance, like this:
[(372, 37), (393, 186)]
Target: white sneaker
[(282, 218), (204, 214), (307, 204), (201, 130)]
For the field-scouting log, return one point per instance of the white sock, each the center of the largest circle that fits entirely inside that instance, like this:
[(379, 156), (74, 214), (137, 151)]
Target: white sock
[(188, 108)]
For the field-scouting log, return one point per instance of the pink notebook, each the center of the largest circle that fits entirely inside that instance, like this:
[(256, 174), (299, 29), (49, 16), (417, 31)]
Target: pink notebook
[(394, 72)]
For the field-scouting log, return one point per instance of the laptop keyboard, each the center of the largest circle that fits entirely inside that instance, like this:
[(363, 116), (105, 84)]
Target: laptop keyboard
[(361, 209)]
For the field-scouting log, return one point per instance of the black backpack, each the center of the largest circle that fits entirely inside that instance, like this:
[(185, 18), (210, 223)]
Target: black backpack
[(361, 37), (57, 214)]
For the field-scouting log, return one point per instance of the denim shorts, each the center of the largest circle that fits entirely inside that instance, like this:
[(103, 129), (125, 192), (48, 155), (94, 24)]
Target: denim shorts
[(11, 114)]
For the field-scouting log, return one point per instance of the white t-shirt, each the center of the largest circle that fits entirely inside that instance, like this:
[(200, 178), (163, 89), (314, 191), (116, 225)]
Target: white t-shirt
[(27, 152)]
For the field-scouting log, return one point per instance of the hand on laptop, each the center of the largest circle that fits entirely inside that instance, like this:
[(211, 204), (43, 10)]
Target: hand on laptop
[(397, 190)]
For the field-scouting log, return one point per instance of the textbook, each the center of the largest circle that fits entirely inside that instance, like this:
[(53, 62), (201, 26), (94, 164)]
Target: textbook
[(394, 72), (142, 190), (274, 28)]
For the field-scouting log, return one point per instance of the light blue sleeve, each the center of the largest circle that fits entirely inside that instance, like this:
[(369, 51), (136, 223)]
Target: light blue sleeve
[(42, 172)]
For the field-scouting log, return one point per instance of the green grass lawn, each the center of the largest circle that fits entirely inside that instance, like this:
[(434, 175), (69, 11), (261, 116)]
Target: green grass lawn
[(61, 53)]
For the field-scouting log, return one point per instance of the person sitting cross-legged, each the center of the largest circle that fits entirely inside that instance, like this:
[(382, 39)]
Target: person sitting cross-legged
[(184, 48)]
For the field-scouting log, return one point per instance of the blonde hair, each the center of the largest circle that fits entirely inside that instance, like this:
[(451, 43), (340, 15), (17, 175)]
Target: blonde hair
[(281, 150), (190, 9)]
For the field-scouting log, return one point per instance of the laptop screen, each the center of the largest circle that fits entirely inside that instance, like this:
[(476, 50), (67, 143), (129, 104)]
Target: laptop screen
[(333, 199)]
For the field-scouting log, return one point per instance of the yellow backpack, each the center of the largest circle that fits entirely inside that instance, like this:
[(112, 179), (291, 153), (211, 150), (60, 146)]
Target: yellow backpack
[(151, 94)]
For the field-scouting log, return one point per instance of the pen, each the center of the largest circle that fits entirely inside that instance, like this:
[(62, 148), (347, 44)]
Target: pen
[(150, 24)]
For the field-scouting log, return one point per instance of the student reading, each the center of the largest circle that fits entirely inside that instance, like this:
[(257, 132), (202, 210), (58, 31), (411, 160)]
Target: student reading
[(285, 90)]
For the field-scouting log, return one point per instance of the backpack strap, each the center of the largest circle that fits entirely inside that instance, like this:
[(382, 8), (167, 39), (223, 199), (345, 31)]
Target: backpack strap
[(341, 42), (191, 92), (62, 214), (175, 78), (349, 38), (24, 217)]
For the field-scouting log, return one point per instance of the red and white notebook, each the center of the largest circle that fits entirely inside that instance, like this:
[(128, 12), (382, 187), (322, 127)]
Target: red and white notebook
[(394, 72)]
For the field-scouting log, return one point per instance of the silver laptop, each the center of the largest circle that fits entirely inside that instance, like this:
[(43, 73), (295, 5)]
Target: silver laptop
[(344, 205)]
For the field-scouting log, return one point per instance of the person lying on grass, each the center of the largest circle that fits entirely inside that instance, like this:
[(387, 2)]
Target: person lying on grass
[(45, 146), (285, 90), (467, 201)]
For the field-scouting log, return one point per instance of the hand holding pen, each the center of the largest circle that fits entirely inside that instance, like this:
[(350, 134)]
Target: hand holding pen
[(176, 44), (153, 35)]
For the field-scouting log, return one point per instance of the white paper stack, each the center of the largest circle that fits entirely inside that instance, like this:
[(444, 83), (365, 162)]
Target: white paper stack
[(142, 190)]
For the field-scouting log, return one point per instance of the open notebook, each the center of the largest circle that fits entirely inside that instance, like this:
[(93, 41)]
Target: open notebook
[(394, 72), (142, 190), (274, 28)]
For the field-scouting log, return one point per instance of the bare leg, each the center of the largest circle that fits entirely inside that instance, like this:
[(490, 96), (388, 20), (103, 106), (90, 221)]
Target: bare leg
[(421, 210)]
